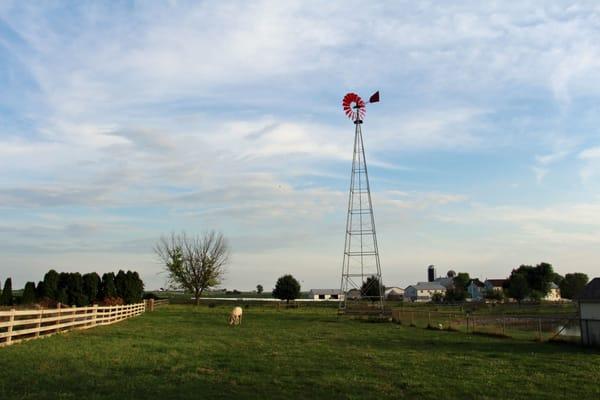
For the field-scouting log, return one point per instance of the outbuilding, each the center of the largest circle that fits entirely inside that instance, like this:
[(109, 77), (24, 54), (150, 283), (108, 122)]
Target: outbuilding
[(325, 294), (589, 312)]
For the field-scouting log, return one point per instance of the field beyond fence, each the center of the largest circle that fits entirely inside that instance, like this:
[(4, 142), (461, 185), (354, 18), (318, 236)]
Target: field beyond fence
[(20, 325)]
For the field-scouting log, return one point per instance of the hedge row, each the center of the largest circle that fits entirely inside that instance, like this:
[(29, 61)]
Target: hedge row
[(72, 288)]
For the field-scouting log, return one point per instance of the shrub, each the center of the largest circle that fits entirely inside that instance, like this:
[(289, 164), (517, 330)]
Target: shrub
[(211, 305)]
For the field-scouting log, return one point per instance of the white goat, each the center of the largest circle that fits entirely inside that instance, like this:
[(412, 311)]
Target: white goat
[(236, 316)]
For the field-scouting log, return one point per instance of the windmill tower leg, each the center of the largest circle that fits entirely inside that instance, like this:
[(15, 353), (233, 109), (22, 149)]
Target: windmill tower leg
[(361, 269)]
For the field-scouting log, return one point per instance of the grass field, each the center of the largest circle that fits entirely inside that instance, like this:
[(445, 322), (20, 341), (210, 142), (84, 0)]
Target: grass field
[(184, 352)]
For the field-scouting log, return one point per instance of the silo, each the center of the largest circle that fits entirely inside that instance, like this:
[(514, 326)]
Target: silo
[(431, 273)]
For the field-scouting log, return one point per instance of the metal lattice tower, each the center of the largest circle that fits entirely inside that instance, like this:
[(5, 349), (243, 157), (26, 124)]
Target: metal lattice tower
[(361, 269)]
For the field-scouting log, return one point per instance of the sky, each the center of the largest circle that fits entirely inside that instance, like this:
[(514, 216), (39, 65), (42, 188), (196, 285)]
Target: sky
[(123, 121)]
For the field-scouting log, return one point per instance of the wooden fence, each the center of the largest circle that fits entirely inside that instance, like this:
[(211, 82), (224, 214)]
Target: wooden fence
[(20, 325)]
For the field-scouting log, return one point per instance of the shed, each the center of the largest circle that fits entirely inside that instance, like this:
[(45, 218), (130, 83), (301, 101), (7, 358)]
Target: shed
[(589, 312)]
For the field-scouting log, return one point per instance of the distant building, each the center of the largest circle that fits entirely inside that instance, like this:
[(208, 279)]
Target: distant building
[(325, 294), (476, 289), (553, 294), (394, 293), (494, 284), (589, 311), (423, 291)]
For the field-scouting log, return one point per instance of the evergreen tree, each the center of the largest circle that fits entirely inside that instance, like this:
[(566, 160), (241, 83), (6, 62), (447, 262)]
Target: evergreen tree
[(91, 286), (50, 285), (7, 295), (62, 297), (40, 290), (107, 288), (75, 290), (121, 284), (29, 296)]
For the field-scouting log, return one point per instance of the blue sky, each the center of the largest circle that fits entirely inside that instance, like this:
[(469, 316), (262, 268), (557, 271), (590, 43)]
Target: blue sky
[(122, 121)]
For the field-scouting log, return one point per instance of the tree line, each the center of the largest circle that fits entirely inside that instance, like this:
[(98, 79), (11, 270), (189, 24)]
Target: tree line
[(73, 288)]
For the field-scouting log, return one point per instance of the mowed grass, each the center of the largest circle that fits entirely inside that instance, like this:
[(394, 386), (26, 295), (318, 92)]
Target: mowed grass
[(185, 352)]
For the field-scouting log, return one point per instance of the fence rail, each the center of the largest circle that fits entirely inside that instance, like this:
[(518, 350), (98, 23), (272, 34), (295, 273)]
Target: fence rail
[(20, 325)]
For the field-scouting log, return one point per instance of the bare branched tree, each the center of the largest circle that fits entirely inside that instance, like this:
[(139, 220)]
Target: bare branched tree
[(194, 263)]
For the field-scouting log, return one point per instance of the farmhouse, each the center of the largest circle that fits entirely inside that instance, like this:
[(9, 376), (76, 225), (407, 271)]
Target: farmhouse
[(589, 311), (325, 294), (553, 294), (476, 289), (423, 291), (394, 293), (494, 284), (353, 294)]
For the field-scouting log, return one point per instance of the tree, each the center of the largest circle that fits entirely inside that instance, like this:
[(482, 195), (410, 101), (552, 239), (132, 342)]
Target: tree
[(518, 288), (108, 289), (455, 295), (40, 290), (6, 299), (62, 297), (538, 277), (459, 292), (492, 294), (74, 288), (28, 296), (121, 284), (573, 284), (194, 263), (287, 288), (51, 284), (370, 289), (259, 289), (91, 286), (437, 297)]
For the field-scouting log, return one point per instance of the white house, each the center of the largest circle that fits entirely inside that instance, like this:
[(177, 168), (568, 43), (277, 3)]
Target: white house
[(423, 291), (553, 294), (476, 289), (394, 293), (589, 311), (494, 284), (325, 294)]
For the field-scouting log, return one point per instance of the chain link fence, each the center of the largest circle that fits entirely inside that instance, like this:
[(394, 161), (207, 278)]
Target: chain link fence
[(540, 328)]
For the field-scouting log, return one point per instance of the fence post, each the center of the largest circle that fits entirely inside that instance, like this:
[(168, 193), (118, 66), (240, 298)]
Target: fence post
[(428, 318), (504, 325), (11, 320), (540, 329), (412, 318), (39, 323), (467, 323), (473, 327), (151, 304), (95, 315), (73, 315), (59, 320)]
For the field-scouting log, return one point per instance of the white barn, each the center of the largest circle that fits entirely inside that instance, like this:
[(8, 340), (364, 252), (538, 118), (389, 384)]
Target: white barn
[(589, 311), (423, 291), (325, 294)]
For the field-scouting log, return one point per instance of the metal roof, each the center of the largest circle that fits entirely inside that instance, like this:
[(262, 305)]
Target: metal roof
[(591, 291), (325, 291), (428, 286)]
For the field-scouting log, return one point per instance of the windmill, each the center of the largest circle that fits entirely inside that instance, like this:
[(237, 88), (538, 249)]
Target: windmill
[(361, 270)]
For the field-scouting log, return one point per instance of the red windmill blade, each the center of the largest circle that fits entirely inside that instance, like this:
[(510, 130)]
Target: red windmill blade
[(354, 106)]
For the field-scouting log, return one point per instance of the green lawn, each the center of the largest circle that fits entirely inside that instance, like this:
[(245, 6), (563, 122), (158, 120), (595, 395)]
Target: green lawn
[(191, 353)]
